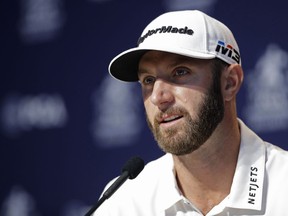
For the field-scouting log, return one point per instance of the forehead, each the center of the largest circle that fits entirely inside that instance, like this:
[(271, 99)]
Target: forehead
[(159, 57)]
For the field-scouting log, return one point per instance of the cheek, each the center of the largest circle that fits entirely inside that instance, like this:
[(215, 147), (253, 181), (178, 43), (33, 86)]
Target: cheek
[(186, 97), (182, 95), (149, 108), (192, 102), (146, 93)]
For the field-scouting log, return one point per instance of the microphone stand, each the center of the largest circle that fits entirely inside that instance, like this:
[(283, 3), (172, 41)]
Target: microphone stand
[(108, 193)]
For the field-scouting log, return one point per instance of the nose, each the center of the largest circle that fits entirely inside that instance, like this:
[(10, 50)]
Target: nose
[(162, 94)]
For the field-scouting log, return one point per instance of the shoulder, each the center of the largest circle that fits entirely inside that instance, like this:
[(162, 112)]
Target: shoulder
[(276, 154), (277, 167)]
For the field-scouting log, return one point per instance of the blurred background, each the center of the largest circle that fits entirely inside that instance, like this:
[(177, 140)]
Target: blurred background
[(66, 127)]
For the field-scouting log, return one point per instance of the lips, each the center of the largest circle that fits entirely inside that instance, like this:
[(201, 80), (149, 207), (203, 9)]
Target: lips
[(170, 118)]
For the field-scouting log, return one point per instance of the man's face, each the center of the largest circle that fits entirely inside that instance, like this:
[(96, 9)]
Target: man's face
[(183, 104)]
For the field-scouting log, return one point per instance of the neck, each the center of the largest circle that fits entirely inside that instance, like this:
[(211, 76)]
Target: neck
[(205, 176)]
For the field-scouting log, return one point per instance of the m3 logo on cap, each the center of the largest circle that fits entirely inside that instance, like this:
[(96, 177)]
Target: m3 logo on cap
[(228, 50), (166, 29)]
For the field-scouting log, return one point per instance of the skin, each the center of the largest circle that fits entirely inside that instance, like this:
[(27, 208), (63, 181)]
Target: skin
[(204, 175)]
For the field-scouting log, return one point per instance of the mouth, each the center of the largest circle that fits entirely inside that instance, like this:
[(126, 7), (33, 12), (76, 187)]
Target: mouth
[(170, 118)]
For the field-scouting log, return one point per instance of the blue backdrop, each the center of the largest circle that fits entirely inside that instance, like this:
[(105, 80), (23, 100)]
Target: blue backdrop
[(67, 127)]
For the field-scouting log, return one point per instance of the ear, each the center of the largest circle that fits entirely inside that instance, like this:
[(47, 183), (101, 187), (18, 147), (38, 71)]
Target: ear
[(232, 81)]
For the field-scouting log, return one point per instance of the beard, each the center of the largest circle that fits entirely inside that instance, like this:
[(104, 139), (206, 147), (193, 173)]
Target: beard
[(193, 133)]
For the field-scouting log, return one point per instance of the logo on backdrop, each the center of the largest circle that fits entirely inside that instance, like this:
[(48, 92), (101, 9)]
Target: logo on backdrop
[(40, 20), (22, 113), (267, 91), (25, 202), (117, 118)]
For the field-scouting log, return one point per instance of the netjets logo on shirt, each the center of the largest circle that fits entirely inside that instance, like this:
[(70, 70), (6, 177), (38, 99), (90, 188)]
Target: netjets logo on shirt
[(166, 29), (228, 50)]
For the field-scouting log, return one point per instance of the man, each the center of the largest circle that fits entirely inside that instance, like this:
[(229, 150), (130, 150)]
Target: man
[(189, 67)]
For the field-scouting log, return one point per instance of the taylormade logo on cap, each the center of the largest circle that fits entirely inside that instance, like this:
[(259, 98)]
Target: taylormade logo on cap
[(166, 29)]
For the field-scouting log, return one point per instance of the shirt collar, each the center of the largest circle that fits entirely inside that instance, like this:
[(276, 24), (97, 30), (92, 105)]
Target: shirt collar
[(247, 186)]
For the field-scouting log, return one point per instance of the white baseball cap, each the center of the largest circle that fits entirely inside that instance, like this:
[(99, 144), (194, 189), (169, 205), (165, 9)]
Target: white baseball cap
[(189, 33)]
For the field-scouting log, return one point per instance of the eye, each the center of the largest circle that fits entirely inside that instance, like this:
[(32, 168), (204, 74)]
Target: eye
[(181, 72), (148, 80)]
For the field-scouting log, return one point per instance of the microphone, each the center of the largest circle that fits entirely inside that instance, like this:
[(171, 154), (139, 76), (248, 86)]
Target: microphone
[(130, 170)]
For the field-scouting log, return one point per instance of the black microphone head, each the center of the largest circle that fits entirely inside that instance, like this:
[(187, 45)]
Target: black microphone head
[(133, 166)]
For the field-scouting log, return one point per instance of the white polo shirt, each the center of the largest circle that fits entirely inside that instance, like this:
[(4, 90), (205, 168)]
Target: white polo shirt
[(260, 186)]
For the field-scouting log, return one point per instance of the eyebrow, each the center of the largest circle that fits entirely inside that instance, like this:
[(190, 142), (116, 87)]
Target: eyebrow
[(180, 60), (141, 71)]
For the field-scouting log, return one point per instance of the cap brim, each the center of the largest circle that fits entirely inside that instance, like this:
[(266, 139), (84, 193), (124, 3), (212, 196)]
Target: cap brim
[(125, 65)]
